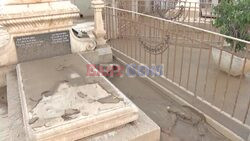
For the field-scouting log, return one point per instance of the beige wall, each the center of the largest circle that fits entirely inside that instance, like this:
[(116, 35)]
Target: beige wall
[(23, 1)]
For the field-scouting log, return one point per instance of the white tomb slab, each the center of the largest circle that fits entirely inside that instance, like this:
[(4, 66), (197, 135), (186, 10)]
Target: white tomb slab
[(59, 102), (140, 130)]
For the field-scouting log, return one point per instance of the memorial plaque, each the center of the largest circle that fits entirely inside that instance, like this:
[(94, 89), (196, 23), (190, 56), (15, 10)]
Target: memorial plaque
[(40, 46)]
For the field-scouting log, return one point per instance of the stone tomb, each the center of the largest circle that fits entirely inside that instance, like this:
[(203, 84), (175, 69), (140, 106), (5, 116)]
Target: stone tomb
[(59, 102), (32, 30), (35, 29)]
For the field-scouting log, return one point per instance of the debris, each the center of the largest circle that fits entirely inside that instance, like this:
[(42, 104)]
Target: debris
[(190, 116), (109, 99), (91, 100), (196, 117), (65, 81), (38, 124), (179, 113), (46, 93), (36, 101), (81, 94), (61, 67), (69, 114), (33, 120)]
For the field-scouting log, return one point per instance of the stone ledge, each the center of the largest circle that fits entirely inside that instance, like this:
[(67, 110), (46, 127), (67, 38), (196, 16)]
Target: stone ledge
[(25, 18), (16, 132), (144, 129)]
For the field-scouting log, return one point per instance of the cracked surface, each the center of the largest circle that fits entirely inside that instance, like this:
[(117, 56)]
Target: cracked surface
[(65, 104), (60, 99)]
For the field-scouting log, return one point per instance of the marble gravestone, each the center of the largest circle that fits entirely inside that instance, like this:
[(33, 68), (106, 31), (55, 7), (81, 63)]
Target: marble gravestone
[(61, 102)]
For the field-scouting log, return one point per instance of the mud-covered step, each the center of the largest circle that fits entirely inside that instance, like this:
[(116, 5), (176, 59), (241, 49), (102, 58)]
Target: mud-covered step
[(4, 123), (16, 129)]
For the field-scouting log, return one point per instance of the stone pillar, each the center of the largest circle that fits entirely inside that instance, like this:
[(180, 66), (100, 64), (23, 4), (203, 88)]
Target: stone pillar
[(215, 2), (115, 33), (147, 5), (99, 31)]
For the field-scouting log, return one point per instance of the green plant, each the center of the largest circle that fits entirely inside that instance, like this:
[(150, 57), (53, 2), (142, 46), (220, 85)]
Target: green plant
[(233, 19)]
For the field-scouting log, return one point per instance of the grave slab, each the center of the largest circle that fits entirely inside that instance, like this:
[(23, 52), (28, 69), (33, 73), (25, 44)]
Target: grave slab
[(60, 102), (140, 130)]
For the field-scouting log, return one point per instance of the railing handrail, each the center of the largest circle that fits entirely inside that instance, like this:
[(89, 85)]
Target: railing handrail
[(198, 63), (181, 1), (181, 24)]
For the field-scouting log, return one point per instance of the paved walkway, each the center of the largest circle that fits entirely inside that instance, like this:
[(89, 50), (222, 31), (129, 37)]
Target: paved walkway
[(177, 122)]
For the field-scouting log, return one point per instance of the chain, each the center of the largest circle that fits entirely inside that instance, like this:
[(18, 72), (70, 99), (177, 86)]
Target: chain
[(158, 48), (155, 49)]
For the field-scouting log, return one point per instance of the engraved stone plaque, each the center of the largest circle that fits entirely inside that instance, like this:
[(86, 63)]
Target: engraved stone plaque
[(40, 46)]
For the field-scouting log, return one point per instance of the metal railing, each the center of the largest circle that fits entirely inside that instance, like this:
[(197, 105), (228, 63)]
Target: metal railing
[(193, 59), (199, 14)]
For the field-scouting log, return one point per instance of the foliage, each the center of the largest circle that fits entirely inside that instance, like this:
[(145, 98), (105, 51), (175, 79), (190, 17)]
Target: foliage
[(233, 19)]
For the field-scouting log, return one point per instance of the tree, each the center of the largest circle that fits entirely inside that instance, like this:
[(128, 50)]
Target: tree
[(233, 19)]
